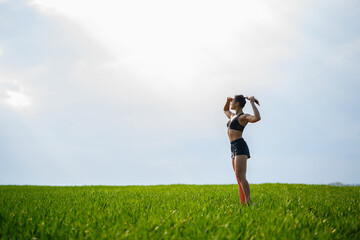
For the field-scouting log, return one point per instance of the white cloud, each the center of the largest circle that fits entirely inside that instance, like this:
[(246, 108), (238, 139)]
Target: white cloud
[(14, 94), (182, 48), (18, 99)]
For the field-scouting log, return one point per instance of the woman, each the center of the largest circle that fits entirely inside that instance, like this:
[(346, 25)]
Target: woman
[(239, 149)]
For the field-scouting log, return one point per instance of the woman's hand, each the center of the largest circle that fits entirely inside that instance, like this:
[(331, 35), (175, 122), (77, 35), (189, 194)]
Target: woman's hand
[(229, 99), (252, 99)]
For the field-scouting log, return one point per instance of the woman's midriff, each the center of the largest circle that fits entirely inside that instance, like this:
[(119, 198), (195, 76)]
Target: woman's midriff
[(234, 134)]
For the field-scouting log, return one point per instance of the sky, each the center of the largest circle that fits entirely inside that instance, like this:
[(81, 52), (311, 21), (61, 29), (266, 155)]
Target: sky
[(132, 92)]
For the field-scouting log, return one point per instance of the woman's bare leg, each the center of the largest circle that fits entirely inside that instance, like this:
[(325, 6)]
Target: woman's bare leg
[(241, 191), (240, 172)]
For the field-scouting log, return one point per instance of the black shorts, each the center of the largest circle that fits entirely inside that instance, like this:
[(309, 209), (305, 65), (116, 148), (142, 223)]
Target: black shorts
[(239, 147)]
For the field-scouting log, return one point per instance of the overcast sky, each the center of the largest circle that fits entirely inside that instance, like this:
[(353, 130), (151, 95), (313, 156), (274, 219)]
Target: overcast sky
[(132, 92)]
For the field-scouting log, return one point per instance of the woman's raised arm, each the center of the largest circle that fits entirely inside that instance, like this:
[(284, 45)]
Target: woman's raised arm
[(256, 116)]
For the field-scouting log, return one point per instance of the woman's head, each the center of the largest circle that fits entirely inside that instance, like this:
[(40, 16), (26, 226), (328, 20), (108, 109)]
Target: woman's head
[(238, 102)]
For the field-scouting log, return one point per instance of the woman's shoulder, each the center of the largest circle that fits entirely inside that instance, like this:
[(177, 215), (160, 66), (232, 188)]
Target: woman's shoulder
[(244, 116)]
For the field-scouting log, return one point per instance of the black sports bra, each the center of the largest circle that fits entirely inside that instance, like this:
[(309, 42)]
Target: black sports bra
[(234, 124)]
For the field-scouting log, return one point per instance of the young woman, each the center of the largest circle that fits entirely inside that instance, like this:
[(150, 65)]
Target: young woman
[(239, 149)]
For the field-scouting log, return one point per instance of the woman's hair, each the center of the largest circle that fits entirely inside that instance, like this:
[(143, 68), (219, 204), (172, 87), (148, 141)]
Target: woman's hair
[(240, 99)]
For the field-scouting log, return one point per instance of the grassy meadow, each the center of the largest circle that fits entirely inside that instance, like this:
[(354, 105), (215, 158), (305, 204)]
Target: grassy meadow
[(281, 211)]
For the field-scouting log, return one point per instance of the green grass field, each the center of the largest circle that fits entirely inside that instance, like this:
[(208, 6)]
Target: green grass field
[(282, 211)]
